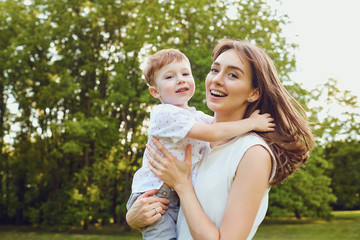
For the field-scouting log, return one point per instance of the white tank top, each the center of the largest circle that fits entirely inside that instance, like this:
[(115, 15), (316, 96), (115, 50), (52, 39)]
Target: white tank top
[(215, 174)]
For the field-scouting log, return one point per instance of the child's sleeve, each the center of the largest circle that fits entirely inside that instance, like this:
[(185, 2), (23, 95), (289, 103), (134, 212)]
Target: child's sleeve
[(204, 118), (170, 122)]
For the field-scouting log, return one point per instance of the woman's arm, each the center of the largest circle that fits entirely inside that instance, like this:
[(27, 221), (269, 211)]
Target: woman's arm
[(250, 183), (246, 193), (225, 130), (142, 213)]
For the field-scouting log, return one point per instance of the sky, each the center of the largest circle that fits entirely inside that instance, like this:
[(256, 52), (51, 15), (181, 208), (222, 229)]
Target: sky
[(328, 35)]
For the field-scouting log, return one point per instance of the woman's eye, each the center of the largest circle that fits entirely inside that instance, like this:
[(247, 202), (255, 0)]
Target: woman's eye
[(213, 70), (233, 75)]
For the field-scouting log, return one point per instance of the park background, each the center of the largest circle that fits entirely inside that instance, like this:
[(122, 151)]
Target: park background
[(74, 105)]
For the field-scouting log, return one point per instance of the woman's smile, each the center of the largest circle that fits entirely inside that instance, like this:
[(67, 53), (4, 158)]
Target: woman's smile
[(217, 93)]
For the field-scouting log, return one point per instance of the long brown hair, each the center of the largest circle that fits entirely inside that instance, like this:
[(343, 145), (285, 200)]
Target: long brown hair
[(292, 139)]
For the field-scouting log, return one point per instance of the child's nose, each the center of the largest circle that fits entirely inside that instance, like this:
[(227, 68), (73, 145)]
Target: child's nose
[(180, 81)]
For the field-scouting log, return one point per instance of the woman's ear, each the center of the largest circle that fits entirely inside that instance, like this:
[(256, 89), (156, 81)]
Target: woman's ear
[(154, 92), (254, 95)]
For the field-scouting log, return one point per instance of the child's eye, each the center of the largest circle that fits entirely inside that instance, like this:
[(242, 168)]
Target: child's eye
[(169, 77), (186, 74)]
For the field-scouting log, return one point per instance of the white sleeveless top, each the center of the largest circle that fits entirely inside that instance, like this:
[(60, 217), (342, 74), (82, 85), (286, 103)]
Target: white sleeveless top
[(215, 174)]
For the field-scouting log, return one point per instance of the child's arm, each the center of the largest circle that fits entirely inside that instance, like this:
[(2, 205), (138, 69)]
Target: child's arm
[(224, 130)]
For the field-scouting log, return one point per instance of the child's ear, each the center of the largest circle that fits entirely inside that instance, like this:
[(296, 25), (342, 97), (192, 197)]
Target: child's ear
[(154, 92), (254, 95)]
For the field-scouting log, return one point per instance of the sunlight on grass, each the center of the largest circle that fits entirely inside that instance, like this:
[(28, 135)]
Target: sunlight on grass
[(344, 226), (346, 214)]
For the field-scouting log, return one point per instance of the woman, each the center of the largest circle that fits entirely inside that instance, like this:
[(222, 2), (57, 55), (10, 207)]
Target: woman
[(230, 194)]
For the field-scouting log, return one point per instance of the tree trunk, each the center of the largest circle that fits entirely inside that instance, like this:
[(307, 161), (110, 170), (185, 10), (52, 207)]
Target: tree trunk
[(20, 197), (114, 199)]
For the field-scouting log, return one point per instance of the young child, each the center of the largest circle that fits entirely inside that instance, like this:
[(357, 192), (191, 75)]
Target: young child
[(176, 125)]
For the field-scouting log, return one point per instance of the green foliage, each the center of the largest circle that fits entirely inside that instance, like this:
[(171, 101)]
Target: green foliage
[(74, 69), (345, 158), (336, 125), (307, 193), (338, 116)]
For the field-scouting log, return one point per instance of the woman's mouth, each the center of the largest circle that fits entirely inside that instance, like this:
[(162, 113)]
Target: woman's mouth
[(217, 93)]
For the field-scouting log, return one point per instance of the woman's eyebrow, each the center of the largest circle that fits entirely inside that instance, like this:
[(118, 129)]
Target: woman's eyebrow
[(230, 66), (236, 68)]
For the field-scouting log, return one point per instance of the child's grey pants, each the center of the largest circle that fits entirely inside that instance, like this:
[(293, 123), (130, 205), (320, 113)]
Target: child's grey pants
[(165, 227)]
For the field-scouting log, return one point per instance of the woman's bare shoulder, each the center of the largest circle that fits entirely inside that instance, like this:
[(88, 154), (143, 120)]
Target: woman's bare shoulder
[(257, 158)]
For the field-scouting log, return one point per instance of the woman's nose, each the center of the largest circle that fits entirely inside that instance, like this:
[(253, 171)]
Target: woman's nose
[(218, 79)]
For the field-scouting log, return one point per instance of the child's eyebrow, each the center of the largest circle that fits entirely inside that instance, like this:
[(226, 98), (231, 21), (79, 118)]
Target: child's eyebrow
[(230, 66), (169, 71)]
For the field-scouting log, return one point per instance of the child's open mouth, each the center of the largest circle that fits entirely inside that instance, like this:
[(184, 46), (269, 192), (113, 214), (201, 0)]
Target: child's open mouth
[(182, 90)]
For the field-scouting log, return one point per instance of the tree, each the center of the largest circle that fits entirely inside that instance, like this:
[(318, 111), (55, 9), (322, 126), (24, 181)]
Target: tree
[(339, 133), (307, 193), (337, 116), (345, 158), (13, 22), (5, 38), (334, 116), (74, 69)]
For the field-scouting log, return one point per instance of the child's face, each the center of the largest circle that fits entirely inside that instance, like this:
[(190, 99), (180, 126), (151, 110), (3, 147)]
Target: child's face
[(174, 84)]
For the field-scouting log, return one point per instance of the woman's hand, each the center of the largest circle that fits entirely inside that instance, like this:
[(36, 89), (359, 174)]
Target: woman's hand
[(146, 210), (176, 174)]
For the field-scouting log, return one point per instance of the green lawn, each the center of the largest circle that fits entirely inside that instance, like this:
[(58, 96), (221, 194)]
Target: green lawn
[(344, 226), (94, 233)]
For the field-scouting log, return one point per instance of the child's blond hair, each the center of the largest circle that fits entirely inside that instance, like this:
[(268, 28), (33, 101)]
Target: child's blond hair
[(159, 60)]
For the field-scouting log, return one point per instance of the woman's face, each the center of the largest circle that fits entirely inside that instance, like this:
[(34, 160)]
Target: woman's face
[(229, 86)]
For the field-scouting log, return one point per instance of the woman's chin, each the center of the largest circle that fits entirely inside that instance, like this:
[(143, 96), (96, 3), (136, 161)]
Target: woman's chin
[(215, 107)]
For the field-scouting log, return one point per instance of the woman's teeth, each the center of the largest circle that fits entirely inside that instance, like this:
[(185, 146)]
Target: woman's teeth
[(217, 94)]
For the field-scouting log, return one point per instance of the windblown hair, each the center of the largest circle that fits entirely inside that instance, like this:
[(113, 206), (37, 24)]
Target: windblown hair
[(159, 60), (292, 139)]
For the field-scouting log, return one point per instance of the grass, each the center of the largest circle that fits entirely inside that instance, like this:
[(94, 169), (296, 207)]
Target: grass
[(94, 233), (345, 226)]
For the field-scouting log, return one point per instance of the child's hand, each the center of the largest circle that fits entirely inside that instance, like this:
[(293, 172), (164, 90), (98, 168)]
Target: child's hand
[(262, 122)]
